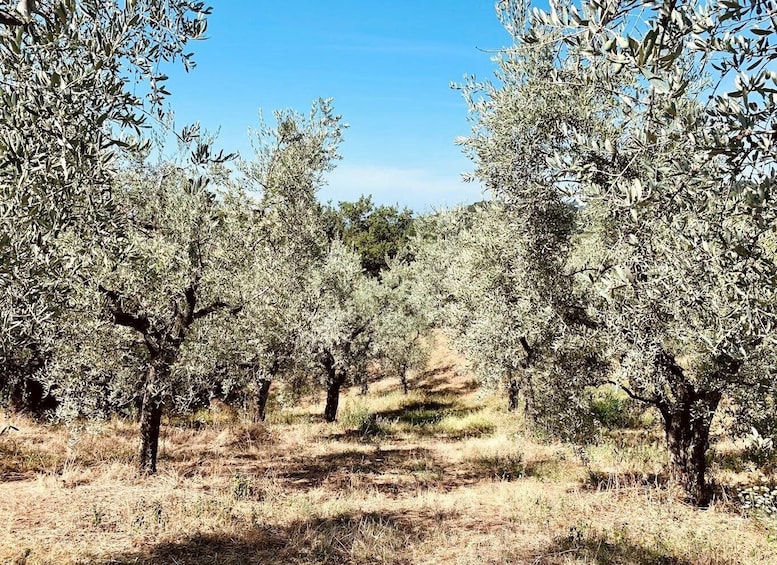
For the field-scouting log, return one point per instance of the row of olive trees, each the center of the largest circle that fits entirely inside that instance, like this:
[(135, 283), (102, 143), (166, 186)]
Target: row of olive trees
[(129, 287), (630, 146), (209, 280)]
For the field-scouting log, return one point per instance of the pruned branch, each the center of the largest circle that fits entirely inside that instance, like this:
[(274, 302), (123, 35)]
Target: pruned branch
[(215, 307), (9, 19)]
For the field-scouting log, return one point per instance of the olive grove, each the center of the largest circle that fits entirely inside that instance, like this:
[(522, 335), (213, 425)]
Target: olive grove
[(629, 149), (207, 276)]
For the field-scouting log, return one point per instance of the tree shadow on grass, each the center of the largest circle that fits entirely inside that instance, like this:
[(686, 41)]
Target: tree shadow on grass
[(419, 413), (418, 417), (442, 384), (443, 380), (425, 412), (436, 372), (353, 538), (401, 472), (598, 550), (386, 471)]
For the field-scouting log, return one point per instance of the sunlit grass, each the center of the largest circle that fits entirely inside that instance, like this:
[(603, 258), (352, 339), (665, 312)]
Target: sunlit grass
[(441, 475)]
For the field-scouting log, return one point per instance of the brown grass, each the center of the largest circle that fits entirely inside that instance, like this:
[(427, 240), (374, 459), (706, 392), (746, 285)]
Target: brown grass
[(442, 475)]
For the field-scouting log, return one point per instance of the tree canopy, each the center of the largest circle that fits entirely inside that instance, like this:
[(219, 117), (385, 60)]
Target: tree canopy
[(377, 233), (81, 89), (616, 115)]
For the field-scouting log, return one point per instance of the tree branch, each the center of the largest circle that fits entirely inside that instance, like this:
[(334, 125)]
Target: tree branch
[(122, 318), (631, 394), (215, 307)]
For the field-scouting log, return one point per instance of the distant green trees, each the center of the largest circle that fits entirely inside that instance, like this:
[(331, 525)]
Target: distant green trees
[(376, 233)]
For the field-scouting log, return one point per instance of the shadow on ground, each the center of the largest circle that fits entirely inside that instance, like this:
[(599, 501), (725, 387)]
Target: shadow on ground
[(373, 538), (438, 381), (418, 418), (580, 548), (420, 413), (347, 538), (402, 472), (398, 472)]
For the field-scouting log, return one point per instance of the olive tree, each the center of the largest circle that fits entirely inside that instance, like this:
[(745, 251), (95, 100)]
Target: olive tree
[(671, 193), (80, 85), (497, 307), (182, 268), (291, 158), (338, 335), (403, 321), (495, 314)]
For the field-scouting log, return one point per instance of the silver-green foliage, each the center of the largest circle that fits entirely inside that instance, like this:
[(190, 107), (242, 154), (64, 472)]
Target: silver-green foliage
[(403, 320), (80, 83), (760, 500), (287, 171), (182, 267), (618, 108), (342, 304)]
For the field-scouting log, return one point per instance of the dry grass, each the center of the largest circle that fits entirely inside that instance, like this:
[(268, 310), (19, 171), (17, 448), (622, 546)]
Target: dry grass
[(442, 475)]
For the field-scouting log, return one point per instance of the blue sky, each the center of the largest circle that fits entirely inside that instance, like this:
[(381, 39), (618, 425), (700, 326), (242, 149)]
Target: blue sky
[(388, 65)]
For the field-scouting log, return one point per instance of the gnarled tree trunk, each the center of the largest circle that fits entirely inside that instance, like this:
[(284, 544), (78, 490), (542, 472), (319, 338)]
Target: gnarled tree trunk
[(687, 428), (332, 398), (687, 413), (150, 422)]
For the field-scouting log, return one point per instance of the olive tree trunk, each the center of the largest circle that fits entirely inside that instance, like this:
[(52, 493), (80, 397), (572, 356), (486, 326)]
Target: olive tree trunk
[(263, 393), (150, 422), (687, 428), (334, 381), (513, 394), (333, 386)]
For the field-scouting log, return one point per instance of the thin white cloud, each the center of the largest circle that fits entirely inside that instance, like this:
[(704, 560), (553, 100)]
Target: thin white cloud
[(415, 188)]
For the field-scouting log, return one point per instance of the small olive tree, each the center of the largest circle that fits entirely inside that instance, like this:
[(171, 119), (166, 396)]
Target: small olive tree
[(338, 336), (179, 270), (403, 321)]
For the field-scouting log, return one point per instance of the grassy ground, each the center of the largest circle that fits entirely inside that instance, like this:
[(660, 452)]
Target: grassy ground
[(442, 475)]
